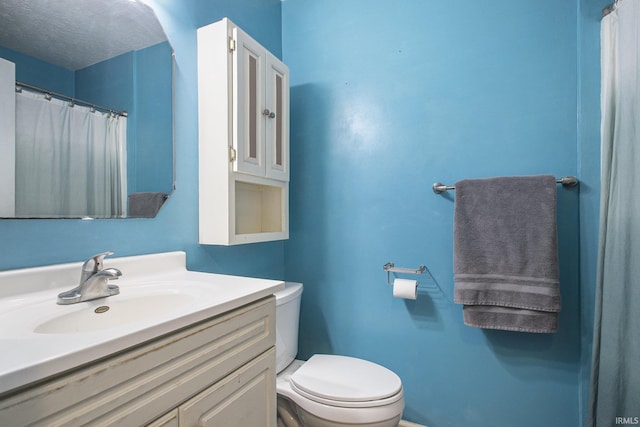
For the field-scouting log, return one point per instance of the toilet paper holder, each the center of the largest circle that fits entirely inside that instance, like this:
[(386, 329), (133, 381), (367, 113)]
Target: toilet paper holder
[(391, 268)]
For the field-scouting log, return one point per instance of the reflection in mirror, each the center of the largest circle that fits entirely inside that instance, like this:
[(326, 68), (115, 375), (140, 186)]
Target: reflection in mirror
[(86, 128)]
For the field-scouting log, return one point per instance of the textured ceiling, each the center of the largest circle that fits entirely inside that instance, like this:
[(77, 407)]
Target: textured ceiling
[(77, 33)]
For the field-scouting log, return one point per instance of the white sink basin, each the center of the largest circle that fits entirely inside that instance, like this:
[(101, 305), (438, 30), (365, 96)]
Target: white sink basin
[(139, 304), (40, 338), (114, 312)]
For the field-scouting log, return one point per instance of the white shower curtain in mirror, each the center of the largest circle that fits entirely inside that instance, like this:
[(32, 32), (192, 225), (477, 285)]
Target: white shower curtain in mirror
[(615, 376), (70, 161)]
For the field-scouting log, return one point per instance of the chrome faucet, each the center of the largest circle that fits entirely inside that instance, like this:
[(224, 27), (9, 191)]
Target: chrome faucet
[(94, 282)]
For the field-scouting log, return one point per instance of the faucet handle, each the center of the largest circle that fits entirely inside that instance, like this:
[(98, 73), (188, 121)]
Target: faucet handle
[(94, 264)]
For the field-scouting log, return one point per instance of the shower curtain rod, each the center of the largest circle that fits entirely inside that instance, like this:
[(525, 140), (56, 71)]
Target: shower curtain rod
[(72, 101)]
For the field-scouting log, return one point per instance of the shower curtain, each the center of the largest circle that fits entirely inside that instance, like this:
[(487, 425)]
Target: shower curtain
[(70, 161), (615, 377)]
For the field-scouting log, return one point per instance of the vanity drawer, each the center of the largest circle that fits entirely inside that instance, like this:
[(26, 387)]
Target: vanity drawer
[(139, 385)]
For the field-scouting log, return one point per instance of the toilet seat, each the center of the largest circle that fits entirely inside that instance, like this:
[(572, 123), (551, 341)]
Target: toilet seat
[(346, 382), (384, 412)]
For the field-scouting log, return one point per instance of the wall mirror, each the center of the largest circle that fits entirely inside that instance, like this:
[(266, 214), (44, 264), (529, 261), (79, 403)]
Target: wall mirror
[(86, 110)]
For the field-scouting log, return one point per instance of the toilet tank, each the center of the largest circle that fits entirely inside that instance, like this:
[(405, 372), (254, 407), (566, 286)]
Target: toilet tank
[(287, 318)]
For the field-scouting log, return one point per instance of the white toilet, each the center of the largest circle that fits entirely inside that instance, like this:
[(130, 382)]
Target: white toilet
[(328, 390)]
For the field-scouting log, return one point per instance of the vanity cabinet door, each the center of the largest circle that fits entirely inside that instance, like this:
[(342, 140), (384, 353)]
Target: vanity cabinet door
[(247, 398)]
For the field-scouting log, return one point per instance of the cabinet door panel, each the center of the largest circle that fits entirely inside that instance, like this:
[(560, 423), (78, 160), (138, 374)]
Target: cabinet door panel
[(277, 126), (167, 420), (245, 398), (248, 86)]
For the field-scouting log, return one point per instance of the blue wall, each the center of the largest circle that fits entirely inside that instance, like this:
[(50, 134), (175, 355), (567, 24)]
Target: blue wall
[(387, 98), (26, 243), (40, 73), (154, 148), (109, 83)]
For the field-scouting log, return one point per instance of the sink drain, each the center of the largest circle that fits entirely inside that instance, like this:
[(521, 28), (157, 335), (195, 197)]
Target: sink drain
[(101, 309)]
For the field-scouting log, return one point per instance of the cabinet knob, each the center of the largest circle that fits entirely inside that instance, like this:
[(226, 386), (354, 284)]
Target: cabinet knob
[(268, 113)]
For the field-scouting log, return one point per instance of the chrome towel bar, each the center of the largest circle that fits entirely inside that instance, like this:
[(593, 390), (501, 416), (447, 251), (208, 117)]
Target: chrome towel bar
[(566, 181)]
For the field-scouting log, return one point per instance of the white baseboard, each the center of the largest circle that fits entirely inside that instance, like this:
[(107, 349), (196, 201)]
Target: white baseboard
[(404, 423)]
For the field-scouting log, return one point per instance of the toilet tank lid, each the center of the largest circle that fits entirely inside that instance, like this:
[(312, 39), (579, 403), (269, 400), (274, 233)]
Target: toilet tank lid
[(291, 291), (346, 379)]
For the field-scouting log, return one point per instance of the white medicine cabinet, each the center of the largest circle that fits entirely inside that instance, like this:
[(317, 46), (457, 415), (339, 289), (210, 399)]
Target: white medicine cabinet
[(243, 122)]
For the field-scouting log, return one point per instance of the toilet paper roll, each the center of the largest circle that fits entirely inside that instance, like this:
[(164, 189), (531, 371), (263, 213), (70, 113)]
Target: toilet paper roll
[(404, 288)]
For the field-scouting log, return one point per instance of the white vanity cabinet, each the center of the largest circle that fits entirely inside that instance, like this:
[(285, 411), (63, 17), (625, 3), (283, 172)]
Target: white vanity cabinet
[(243, 130), (218, 372)]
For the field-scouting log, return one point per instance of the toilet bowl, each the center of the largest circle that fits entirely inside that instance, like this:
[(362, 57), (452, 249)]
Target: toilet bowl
[(329, 390)]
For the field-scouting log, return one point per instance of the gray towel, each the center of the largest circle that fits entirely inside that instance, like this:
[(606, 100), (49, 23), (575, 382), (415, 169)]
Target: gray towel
[(506, 253), (145, 205)]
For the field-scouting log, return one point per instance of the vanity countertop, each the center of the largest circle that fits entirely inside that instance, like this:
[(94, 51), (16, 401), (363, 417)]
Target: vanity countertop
[(158, 295)]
